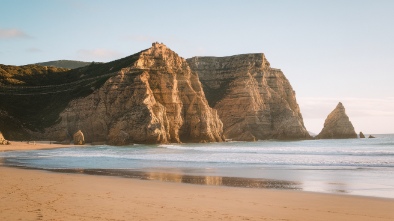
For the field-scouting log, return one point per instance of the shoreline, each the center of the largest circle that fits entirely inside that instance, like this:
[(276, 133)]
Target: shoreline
[(33, 194), (197, 176), (37, 145), (30, 194)]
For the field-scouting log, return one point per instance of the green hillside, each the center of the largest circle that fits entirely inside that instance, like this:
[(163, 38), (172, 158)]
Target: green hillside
[(64, 64)]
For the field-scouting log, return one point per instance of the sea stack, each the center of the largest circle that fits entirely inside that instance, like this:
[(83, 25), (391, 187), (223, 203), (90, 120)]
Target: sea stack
[(79, 138), (337, 125), (3, 141), (361, 135), (253, 100)]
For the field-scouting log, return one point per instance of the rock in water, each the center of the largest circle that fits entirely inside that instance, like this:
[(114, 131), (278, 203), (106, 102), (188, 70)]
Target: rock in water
[(154, 98), (254, 101), (370, 136), (78, 138), (362, 135), (337, 125)]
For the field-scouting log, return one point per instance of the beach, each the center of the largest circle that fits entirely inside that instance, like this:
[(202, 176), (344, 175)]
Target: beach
[(28, 194), (32, 145)]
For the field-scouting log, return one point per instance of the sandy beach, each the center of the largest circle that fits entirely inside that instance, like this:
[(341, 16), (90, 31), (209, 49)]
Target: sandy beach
[(40, 195), (32, 145)]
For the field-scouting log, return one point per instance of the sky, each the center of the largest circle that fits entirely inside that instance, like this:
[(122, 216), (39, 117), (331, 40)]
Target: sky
[(331, 51)]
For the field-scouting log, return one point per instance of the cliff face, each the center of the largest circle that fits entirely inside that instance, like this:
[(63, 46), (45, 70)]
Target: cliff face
[(337, 125), (155, 99), (254, 101)]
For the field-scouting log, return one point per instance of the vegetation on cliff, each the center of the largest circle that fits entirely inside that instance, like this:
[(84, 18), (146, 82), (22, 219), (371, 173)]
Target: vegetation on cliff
[(33, 96), (64, 64)]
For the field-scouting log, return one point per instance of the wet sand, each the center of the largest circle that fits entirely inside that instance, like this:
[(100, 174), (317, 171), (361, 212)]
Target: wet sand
[(27, 194), (32, 145)]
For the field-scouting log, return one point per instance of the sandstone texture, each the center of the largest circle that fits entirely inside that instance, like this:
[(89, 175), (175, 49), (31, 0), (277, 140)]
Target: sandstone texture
[(78, 138), (253, 100), (337, 125), (155, 99)]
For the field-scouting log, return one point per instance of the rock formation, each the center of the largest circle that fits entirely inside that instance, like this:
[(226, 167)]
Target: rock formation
[(370, 136), (361, 135), (254, 101), (78, 138), (154, 99), (153, 96), (337, 125), (3, 141)]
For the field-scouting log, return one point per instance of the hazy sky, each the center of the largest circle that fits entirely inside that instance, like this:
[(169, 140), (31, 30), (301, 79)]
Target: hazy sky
[(331, 50)]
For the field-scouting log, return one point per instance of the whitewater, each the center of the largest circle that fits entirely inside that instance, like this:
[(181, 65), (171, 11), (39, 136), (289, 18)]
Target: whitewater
[(349, 166)]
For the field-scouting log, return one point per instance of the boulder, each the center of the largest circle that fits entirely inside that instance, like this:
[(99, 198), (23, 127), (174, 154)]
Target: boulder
[(3, 141), (78, 137), (337, 125), (362, 135)]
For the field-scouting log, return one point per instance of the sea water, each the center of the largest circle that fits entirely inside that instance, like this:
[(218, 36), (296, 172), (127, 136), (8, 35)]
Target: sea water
[(348, 166)]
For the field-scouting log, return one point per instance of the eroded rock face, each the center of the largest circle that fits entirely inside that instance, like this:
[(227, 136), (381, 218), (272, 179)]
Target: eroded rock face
[(78, 138), (156, 99), (254, 101), (337, 125)]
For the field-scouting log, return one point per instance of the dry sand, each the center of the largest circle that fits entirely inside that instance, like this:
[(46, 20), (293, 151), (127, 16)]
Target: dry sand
[(40, 195)]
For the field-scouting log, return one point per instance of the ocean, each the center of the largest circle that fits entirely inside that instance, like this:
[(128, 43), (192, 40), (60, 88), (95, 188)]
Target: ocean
[(362, 167)]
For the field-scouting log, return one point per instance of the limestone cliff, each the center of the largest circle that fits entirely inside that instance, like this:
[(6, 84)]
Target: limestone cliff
[(254, 101), (154, 99), (337, 125)]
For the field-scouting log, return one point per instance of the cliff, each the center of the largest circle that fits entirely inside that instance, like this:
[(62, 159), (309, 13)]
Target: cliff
[(254, 101), (337, 125), (32, 97), (155, 98)]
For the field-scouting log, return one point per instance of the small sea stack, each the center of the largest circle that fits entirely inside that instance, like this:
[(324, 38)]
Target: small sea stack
[(370, 136), (361, 135), (78, 138), (3, 141), (337, 125)]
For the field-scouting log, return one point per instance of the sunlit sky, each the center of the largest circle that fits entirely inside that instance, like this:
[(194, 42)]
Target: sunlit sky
[(331, 51)]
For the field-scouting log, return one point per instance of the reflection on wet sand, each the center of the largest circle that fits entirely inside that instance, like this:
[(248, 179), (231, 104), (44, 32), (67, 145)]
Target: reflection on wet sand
[(191, 179)]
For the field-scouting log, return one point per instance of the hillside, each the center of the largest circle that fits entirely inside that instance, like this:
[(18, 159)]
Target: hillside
[(33, 96), (64, 64)]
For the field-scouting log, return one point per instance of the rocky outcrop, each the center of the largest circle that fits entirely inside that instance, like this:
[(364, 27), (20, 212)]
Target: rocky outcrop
[(254, 101), (370, 136), (361, 135), (155, 99), (337, 125), (3, 141), (78, 138)]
